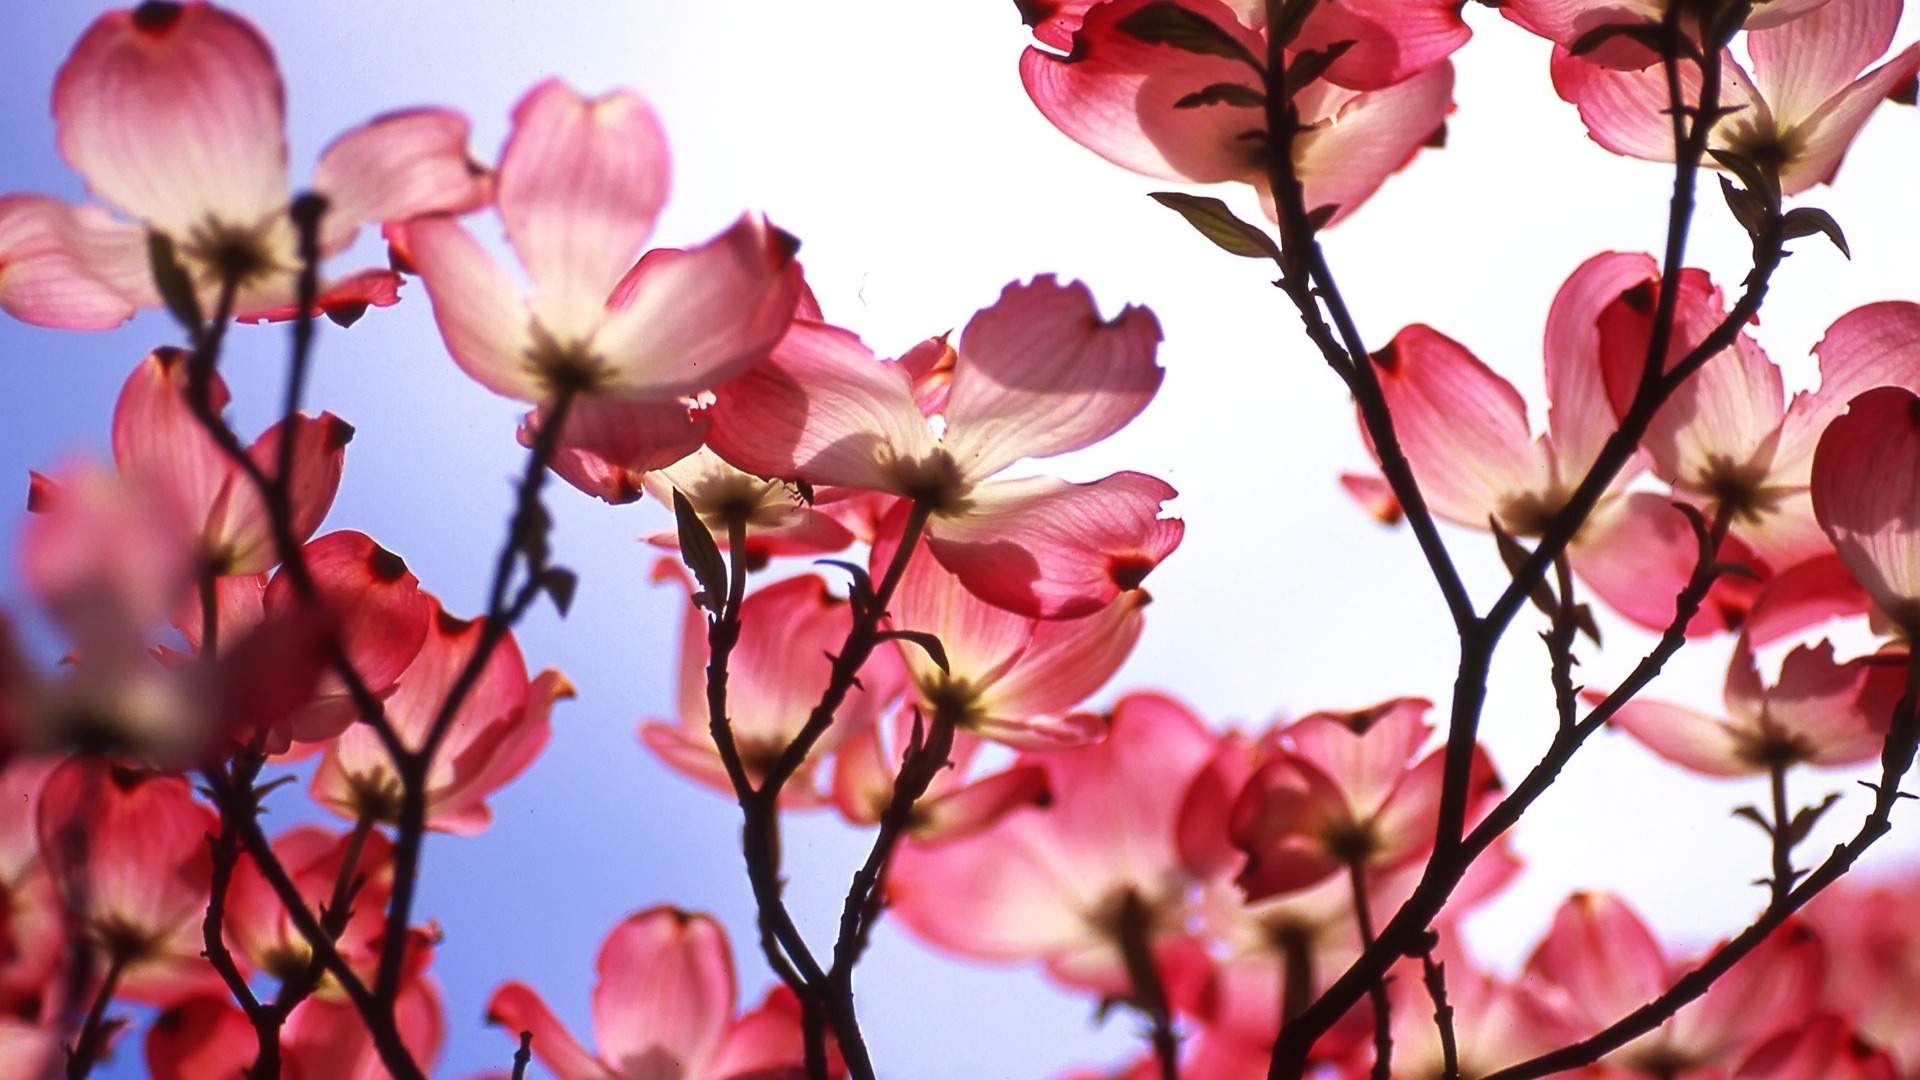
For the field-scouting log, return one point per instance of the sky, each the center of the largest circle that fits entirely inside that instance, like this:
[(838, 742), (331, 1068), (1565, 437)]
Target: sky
[(895, 140)]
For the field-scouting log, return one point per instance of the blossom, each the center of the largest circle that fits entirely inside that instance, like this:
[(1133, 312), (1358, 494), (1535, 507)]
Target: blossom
[(1794, 116), (1819, 712), (1036, 374), (663, 1006), (580, 184), (175, 115), (497, 731), (1131, 101)]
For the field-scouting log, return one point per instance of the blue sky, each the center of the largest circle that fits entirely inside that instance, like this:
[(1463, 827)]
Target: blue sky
[(896, 142)]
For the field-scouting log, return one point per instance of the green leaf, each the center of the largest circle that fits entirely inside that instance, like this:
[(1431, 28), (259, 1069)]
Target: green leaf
[(1167, 23), (1746, 206), (560, 584), (1217, 223), (861, 592), (1807, 817), (1752, 813), (927, 642), (1807, 220), (1307, 67), (1762, 181), (701, 554), (176, 288), (1223, 93), (1515, 555)]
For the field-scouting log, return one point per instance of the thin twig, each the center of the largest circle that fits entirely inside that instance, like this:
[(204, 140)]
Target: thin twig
[(1434, 975), (1377, 991)]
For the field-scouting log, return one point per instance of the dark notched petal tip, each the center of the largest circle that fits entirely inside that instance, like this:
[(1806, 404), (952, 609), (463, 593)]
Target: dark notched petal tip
[(157, 16)]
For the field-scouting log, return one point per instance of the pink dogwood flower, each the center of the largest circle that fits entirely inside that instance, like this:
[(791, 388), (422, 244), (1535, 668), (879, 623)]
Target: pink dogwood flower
[(1564, 22), (175, 115), (1820, 713), (498, 730), (1794, 116), (1465, 432), (1059, 883), (1038, 373), (1387, 40), (663, 1009), (1727, 439), (1120, 97), (580, 184), (128, 852), (1342, 790)]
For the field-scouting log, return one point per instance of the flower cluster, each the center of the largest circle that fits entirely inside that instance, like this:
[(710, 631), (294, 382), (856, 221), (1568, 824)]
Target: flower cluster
[(1278, 902)]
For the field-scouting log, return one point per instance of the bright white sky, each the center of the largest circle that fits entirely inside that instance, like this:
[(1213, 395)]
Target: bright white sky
[(895, 140)]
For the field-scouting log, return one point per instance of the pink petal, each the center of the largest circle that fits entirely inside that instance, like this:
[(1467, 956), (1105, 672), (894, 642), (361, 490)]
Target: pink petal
[(982, 642), (1404, 828), (1870, 346), (516, 1008), (1624, 110), (482, 316), (1564, 21), (475, 764), (1825, 1048), (175, 114), (980, 804), (157, 440), (823, 409), (242, 531), (205, 1036), (1803, 595), (768, 1043), (1823, 138), (1801, 63), (1114, 94), (1358, 140), (609, 445), (1776, 985), (128, 850), (683, 322), (401, 165), (381, 617), (581, 182), (1464, 430), (1392, 40), (1580, 417), (1703, 744), (1366, 752), (781, 518), (1833, 714), (1717, 432), (1375, 496), (665, 993), (1638, 554), (1066, 660), (1053, 550), (45, 276), (1603, 956), (1282, 820), (1040, 373), (1866, 494)]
